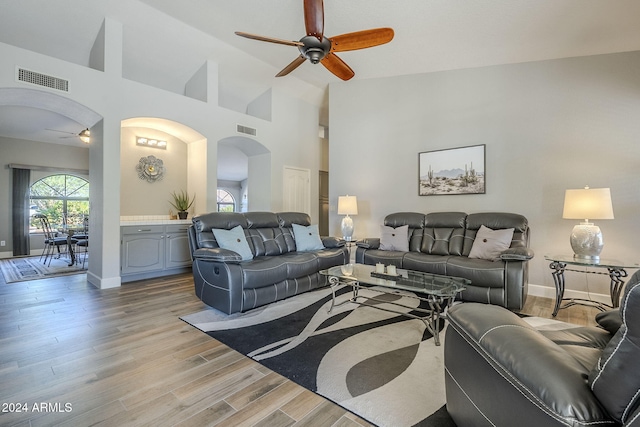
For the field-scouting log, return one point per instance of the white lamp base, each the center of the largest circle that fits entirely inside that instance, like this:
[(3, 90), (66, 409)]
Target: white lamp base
[(347, 228), (586, 241)]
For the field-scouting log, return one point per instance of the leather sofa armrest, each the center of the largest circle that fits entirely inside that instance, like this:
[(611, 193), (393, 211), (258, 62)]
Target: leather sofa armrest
[(369, 243), (516, 254), (217, 254), (333, 242)]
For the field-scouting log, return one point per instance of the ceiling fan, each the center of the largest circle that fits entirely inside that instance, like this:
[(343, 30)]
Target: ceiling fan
[(317, 48), (84, 135)]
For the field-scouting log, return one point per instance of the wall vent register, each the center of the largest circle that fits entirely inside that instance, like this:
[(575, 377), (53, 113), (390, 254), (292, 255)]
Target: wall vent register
[(40, 79), (246, 130)]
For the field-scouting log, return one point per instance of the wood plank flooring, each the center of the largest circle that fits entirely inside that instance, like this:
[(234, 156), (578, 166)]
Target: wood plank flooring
[(73, 355)]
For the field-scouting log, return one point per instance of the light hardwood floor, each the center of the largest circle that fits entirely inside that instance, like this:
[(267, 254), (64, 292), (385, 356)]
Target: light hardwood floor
[(122, 356)]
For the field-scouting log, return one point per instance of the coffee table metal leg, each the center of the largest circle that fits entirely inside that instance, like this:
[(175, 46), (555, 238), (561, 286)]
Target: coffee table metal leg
[(334, 282)]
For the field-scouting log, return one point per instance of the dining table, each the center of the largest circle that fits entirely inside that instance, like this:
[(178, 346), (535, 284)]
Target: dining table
[(70, 230)]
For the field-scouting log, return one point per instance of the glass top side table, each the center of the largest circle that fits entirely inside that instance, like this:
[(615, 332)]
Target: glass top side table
[(615, 270)]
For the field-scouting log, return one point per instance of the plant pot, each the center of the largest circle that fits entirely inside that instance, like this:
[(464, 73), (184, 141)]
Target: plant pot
[(183, 214)]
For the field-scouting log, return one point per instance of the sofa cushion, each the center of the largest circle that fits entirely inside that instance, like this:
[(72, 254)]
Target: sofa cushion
[(329, 257), (307, 237), (394, 239), (264, 271), (417, 261), (497, 221), (615, 380), (414, 220), (233, 240), (481, 272), (203, 224), (300, 264), (374, 256), (489, 244), (443, 233)]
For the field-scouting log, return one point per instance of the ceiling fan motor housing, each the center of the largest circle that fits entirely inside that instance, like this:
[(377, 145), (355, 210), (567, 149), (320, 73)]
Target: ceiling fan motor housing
[(315, 50)]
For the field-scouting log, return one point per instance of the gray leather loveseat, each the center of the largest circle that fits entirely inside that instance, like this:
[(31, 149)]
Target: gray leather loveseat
[(442, 242), (499, 371), (274, 268)]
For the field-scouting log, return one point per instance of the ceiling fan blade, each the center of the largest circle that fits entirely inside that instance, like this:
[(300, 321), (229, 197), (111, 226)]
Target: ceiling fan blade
[(314, 18), (62, 131), (361, 39), (294, 64), (269, 39), (337, 66)]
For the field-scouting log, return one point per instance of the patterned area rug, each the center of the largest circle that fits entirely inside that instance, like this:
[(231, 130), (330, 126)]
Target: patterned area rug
[(31, 268), (381, 366)]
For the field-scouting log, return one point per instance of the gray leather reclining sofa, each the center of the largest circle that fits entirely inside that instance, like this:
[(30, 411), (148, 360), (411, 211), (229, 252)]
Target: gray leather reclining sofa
[(440, 243), (277, 270), (499, 371)]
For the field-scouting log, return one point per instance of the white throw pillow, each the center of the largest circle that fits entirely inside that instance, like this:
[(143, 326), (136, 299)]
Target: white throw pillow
[(234, 240), (307, 238), (394, 239), (489, 244)]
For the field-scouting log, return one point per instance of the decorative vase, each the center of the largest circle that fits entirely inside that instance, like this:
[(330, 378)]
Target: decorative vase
[(183, 214)]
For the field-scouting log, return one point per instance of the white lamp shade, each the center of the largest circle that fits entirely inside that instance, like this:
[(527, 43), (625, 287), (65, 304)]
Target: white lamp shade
[(588, 203), (347, 205)]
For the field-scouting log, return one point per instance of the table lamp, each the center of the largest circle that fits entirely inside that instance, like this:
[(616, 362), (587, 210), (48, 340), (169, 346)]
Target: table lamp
[(347, 205), (588, 203)]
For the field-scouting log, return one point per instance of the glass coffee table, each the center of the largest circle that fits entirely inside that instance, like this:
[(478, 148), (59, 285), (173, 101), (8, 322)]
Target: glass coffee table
[(436, 290)]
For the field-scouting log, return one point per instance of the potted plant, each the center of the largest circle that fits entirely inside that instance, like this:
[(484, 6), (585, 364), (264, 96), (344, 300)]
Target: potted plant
[(182, 202)]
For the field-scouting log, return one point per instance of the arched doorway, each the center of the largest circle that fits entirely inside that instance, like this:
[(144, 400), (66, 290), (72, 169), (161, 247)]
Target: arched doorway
[(244, 169), (35, 114)]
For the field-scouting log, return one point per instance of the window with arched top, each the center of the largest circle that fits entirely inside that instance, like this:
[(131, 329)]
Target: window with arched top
[(62, 198), (226, 202)]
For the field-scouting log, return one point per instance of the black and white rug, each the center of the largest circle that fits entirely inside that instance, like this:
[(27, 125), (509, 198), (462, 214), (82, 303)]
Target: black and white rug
[(379, 365), (20, 269)]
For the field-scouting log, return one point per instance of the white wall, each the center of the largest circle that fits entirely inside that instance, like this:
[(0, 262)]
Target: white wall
[(547, 126), (293, 123)]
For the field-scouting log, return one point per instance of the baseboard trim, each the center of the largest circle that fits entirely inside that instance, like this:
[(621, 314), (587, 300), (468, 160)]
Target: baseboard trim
[(100, 283), (547, 292)]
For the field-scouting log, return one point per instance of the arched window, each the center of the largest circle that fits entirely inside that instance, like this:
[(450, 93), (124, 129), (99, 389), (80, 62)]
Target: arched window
[(226, 202), (59, 197)]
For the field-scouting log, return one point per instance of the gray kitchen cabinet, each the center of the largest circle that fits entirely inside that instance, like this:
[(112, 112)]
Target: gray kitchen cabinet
[(153, 250)]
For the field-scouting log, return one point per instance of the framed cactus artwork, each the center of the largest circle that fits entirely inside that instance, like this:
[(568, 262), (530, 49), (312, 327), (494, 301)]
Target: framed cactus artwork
[(452, 171)]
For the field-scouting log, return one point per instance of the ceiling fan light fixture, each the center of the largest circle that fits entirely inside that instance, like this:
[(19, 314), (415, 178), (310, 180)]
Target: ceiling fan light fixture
[(85, 136)]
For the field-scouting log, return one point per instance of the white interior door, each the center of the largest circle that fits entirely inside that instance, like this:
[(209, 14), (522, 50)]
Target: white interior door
[(297, 190)]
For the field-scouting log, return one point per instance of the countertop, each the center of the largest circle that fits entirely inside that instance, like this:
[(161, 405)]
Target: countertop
[(152, 220)]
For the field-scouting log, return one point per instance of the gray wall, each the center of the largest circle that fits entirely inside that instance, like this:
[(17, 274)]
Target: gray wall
[(35, 154), (548, 126), (138, 196)]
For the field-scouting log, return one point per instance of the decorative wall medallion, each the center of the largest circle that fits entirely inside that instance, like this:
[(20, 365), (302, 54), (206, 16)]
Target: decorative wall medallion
[(150, 168)]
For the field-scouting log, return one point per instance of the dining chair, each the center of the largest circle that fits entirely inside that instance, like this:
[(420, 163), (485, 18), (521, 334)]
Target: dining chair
[(51, 239), (82, 247)]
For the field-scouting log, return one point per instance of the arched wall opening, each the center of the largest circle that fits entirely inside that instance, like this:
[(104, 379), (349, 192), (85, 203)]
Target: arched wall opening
[(47, 109), (244, 167), (150, 195)]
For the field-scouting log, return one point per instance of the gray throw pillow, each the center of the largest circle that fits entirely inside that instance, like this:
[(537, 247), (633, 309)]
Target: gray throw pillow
[(394, 239), (307, 238), (489, 244), (234, 240)]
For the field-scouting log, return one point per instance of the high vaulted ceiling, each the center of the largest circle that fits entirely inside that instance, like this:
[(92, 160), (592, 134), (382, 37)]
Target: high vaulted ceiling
[(430, 35)]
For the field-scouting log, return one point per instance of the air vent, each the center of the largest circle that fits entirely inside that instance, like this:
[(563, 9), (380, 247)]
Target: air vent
[(42, 80), (246, 130)]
